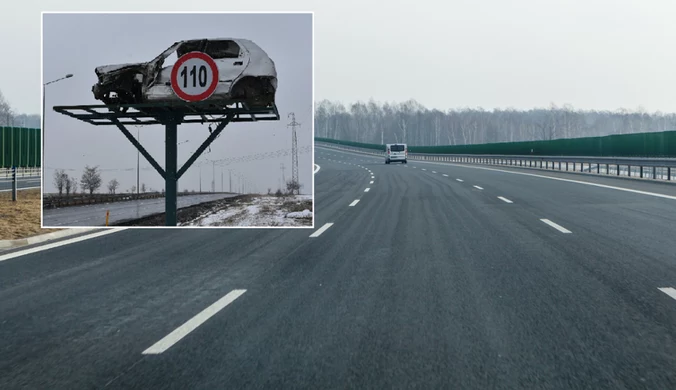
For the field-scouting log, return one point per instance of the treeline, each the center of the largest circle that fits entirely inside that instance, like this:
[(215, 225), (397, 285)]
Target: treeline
[(8, 117), (412, 123), (90, 183)]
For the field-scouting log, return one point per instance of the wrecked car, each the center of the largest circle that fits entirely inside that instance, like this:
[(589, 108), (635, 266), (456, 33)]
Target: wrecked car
[(246, 75)]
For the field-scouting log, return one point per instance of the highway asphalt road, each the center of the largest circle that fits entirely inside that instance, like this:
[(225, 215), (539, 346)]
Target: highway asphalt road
[(6, 184), (95, 215), (440, 276)]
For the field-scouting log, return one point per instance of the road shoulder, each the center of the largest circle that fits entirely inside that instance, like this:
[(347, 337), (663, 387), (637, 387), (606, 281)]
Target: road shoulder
[(9, 246)]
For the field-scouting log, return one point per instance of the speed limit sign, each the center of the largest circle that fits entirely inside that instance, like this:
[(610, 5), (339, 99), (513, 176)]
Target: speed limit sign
[(194, 76)]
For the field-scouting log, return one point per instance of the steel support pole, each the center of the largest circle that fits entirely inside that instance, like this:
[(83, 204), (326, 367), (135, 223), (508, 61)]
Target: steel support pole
[(171, 178), (14, 184)]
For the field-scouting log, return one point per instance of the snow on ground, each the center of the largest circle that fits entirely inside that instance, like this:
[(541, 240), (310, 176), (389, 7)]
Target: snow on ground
[(261, 211), (300, 214)]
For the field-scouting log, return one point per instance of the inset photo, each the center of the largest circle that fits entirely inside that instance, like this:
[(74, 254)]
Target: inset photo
[(177, 120)]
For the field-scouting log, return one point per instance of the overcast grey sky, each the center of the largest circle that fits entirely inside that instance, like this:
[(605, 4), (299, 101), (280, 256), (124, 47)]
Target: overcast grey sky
[(126, 38), (594, 54), (602, 54)]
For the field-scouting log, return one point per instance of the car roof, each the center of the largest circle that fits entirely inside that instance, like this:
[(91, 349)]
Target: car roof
[(241, 41), (248, 44)]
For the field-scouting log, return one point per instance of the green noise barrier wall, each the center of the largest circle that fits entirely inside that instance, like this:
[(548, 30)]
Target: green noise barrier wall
[(20, 147), (660, 144)]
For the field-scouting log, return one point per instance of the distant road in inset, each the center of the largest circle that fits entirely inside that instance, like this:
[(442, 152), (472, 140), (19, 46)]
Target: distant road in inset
[(95, 215)]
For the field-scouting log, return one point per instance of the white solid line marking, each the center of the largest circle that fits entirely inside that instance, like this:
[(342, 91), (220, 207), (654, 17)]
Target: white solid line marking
[(321, 229), (445, 174), (58, 244), (192, 324), (669, 291), (477, 187), (354, 202), (556, 226), (371, 182), (460, 180), (505, 199), (566, 180), (367, 190)]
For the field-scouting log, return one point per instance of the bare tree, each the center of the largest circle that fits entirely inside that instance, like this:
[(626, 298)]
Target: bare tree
[(73, 184), (6, 112), (68, 182), (91, 179), (293, 187), (60, 179), (133, 189), (143, 188), (113, 185)]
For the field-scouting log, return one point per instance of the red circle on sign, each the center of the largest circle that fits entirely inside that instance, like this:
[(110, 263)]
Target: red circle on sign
[(174, 76)]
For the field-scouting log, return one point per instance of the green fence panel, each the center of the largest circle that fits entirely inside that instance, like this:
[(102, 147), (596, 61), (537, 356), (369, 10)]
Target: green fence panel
[(659, 144), (20, 147), (351, 143)]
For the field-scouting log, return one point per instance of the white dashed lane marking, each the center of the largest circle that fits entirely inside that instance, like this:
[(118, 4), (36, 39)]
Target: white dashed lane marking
[(192, 324), (321, 230), (556, 226), (505, 199), (669, 291)]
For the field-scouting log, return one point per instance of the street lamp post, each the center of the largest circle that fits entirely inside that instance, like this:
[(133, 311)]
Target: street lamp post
[(138, 161), (69, 75)]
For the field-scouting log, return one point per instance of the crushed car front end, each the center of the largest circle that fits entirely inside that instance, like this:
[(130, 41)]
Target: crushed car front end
[(120, 84)]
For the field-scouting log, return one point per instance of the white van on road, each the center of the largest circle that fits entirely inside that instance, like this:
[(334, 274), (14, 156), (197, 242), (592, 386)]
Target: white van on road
[(396, 152)]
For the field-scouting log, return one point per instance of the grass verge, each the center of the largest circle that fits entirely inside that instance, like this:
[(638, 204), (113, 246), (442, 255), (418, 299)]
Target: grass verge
[(21, 219)]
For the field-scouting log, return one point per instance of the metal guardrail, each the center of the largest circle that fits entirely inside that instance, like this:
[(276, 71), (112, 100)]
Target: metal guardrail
[(6, 173), (11, 177), (51, 201), (648, 168)]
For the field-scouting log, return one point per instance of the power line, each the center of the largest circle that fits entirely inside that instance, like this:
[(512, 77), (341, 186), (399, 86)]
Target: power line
[(221, 162)]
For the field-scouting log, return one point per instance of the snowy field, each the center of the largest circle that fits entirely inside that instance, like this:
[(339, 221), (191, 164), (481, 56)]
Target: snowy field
[(262, 211)]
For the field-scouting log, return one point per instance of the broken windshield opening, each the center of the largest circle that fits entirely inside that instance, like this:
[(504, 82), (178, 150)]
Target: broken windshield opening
[(215, 49)]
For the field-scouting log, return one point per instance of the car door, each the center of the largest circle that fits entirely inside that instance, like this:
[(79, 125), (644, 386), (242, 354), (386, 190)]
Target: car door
[(231, 59)]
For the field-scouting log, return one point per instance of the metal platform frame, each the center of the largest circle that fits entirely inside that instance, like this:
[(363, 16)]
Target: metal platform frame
[(170, 115)]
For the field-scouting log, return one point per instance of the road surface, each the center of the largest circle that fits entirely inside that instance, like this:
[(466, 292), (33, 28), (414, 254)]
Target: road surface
[(440, 276), (28, 182), (95, 215)]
